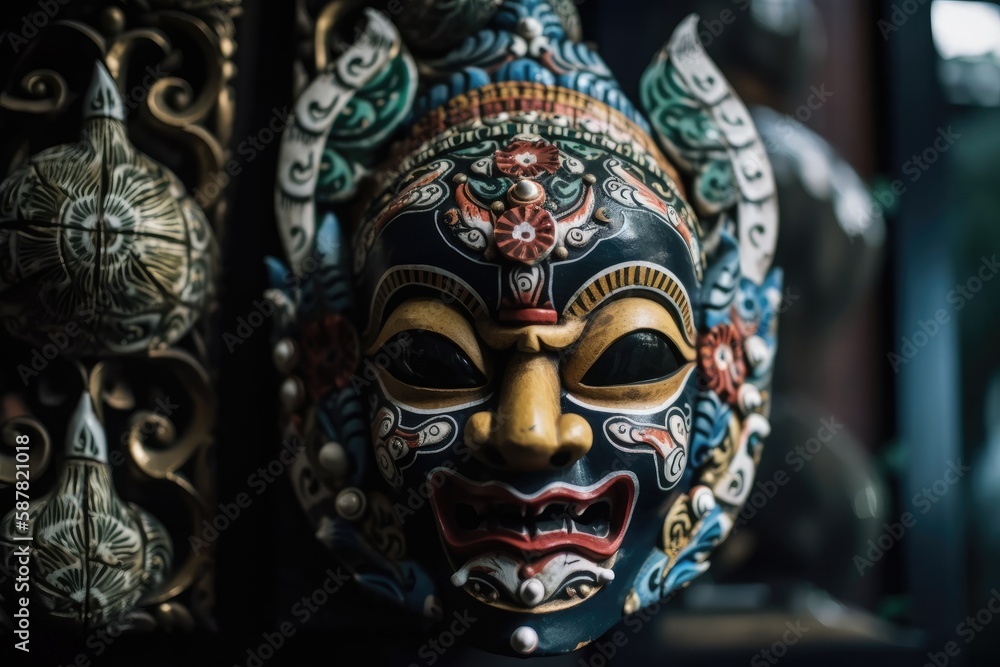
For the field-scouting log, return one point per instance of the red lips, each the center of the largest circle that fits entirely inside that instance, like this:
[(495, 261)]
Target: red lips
[(478, 517)]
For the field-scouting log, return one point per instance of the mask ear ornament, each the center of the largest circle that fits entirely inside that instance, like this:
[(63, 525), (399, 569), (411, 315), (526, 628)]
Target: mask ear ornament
[(733, 193)]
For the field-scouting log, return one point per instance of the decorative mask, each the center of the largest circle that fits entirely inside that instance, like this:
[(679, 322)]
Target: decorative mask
[(535, 385)]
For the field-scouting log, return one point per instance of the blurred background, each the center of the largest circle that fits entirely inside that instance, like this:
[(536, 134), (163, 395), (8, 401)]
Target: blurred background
[(872, 534), (882, 121)]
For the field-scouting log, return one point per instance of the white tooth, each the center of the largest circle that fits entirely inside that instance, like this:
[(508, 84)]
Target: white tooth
[(523, 509), (605, 575), (460, 578), (532, 592)]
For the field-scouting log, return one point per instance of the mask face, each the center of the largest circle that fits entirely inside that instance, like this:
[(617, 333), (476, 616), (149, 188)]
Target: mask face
[(563, 386), (532, 334)]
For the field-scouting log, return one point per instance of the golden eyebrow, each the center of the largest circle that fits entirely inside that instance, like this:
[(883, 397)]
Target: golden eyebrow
[(452, 289), (432, 315), (635, 275)]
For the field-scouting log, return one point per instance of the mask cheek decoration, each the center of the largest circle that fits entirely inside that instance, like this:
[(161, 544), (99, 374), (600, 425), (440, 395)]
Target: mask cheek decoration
[(633, 361)]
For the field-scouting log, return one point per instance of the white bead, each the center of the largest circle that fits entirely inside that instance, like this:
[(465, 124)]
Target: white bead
[(757, 351), (524, 640), (333, 458), (532, 592), (529, 28), (285, 355), (749, 398), (350, 504), (292, 393)]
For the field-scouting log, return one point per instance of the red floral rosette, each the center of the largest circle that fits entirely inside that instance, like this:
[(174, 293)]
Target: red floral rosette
[(720, 356), (528, 158), (330, 354), (525, 234)]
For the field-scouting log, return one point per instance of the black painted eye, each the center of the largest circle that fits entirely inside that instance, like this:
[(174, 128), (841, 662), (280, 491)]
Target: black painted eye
[(637, 358), (426, 359)]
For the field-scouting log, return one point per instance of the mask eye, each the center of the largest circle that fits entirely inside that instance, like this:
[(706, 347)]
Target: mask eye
[(640, 357), (427, 359)]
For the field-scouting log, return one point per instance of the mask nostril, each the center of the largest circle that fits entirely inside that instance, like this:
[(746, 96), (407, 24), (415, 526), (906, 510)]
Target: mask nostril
[(494, 456), (560, 459)]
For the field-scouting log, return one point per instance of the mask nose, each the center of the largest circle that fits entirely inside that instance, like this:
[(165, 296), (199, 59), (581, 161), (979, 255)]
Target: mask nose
[(528, 432)]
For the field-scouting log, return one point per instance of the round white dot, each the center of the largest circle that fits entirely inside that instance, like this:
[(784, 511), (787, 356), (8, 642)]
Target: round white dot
[(350, 504), (292, 393), (532, 592), (285, 355), (524, 640), (333, 458)]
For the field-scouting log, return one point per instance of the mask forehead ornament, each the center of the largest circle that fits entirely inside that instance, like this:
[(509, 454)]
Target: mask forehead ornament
[(552, 327)]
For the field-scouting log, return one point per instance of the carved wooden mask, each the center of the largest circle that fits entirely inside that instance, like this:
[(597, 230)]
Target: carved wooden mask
[(527, 328)]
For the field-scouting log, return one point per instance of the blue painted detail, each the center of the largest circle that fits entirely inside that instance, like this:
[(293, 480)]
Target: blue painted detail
[(513, 12), (693, 560), (711, 420), (722, 279), (501, 52), (523, 69)]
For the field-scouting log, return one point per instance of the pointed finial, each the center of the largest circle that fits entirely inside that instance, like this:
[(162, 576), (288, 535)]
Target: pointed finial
[(103, 99), (85, 438)]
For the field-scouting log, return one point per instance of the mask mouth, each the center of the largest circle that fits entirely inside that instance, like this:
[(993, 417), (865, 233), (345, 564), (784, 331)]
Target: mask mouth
[(491, 516)]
